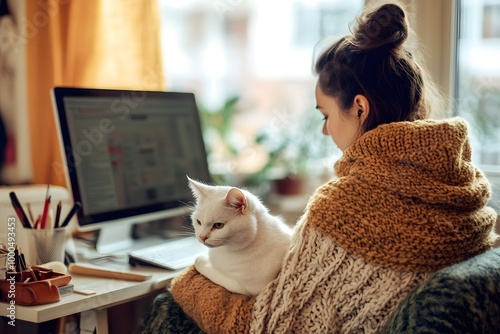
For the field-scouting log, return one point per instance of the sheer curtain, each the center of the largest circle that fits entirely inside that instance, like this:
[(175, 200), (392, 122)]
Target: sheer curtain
[(93, 43)]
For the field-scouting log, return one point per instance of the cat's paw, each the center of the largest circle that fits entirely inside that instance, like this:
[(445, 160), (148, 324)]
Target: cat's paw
[(201, 264)]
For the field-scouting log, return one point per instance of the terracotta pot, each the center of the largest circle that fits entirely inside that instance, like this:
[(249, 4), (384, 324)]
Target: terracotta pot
[(289, 186)]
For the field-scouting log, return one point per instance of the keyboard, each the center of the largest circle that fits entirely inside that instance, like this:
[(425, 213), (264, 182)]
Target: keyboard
[(172, 254)]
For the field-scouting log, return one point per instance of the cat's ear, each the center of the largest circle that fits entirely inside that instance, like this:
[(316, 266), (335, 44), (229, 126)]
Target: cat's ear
[(236, 199), (198, 189)]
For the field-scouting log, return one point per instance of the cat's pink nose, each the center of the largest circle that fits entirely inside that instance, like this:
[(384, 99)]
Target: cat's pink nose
[(203, 237)]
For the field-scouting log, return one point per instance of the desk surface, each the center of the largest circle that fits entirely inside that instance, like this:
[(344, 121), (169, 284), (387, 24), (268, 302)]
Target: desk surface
[(109, 292)]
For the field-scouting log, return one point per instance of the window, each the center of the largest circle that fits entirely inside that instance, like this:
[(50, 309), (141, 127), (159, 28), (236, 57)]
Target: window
[(478, 85), (260, 51), (491, 23)]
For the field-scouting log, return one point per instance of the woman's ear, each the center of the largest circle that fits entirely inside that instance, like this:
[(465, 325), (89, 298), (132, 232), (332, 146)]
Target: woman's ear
[(361, 107)]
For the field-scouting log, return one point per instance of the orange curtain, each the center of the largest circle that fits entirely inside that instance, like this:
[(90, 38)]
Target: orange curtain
[(91, 43)]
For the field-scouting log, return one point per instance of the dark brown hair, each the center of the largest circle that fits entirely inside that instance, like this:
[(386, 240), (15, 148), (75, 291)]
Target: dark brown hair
[(375, 62)]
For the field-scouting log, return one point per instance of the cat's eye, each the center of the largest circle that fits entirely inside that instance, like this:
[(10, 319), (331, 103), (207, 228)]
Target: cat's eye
[(198, 221), (218, 225)]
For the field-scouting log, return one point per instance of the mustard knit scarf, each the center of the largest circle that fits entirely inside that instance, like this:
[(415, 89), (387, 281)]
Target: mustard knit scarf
[(408, 197)]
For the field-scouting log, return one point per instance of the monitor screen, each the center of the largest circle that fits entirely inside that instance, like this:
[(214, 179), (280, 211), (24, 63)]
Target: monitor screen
[(127, 153)]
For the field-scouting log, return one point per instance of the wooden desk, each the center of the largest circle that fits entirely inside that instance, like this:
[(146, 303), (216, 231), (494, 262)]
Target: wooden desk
[(109, 292)]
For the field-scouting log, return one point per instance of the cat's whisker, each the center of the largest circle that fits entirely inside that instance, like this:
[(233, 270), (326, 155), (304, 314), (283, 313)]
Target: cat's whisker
[(190, 227), (190, 205), (187, 229), (185, 233)]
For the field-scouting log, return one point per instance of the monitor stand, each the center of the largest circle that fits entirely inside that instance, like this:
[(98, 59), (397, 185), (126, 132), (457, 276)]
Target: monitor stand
[(120, 238), (114, 238)]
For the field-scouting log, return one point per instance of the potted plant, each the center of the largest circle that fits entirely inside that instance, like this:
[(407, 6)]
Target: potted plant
[(296, 151), (217, 127)]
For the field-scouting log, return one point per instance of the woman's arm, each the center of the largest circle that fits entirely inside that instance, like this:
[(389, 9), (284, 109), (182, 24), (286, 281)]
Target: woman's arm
[(212, 307)]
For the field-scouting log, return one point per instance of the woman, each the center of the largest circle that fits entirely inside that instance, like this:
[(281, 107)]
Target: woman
[(406, 202)]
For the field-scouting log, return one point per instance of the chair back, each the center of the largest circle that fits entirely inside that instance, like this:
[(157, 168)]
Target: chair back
[(462, 298)]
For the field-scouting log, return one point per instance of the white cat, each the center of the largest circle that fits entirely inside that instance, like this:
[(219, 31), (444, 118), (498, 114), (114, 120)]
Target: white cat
[(247, 244)]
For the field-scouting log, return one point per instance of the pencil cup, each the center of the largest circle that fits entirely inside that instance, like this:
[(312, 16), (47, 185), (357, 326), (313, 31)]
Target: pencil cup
[(43, 245), (3, 266)]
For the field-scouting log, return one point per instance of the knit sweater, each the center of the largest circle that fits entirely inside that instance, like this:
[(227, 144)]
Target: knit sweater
[(406, 202)]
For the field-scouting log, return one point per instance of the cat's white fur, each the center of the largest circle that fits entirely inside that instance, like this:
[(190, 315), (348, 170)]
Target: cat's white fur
[(247, 251)]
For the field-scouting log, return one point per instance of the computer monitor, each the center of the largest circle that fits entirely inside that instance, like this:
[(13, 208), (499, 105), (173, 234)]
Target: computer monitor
[(126, 155)]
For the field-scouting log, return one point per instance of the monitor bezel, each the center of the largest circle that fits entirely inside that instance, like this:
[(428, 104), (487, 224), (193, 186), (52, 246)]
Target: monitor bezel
[(93, 221)]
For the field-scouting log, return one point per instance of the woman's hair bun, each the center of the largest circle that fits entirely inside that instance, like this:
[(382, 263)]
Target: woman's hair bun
[(385, 27)]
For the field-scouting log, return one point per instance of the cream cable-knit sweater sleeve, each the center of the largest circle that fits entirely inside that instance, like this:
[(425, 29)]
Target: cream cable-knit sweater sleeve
[(324, 289)]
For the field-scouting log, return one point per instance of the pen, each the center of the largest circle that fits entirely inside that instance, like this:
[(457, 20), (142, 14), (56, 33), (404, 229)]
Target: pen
[(45, 208), (37, 222), (58, 215), (19, 210), (17, 260), (75, 208), (30, 213), (27, 268), (24, 266)]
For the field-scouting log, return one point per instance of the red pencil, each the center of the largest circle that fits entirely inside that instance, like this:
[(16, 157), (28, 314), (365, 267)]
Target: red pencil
[(45, 209)]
